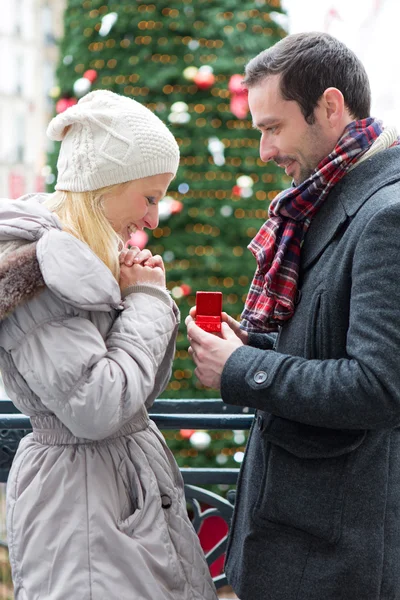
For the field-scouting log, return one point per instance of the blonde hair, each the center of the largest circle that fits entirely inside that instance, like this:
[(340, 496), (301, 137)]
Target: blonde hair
[(82, 215)]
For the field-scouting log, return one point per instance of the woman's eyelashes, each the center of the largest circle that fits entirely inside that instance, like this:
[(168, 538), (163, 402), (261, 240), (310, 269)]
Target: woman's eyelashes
[(151, 199)]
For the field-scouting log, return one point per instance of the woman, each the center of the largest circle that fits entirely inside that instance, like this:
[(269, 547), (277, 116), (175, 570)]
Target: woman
[(95, 502)]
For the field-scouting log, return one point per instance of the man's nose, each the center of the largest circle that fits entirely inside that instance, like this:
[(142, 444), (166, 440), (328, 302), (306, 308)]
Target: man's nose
[(267, 150)]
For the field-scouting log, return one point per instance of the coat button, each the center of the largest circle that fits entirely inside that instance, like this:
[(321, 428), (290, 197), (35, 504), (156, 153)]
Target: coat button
[(231, 496), (166, 501), (297, 297), (260, 377)]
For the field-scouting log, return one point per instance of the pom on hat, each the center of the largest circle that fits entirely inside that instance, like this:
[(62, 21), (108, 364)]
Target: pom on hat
[(107, 139)]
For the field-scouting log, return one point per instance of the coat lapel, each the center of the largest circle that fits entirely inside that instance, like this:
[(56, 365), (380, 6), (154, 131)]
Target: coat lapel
[(323, 229), (345, 200)]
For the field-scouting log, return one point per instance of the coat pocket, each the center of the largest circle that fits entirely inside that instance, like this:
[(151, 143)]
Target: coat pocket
[(318, 328), (304, 483), (326, 333), (132, 506)]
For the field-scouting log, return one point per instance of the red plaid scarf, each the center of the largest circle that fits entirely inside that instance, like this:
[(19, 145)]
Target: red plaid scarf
[(271, 298)]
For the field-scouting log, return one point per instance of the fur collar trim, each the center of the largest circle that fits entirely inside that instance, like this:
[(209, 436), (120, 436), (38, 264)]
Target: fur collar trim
[(20, 278)]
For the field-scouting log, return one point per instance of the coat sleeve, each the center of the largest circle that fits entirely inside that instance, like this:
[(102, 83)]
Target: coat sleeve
[(265, 341), (93, 385), (361, 391)]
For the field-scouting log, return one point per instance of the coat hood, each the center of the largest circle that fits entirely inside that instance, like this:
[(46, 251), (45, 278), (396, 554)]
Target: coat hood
[(36, 253)]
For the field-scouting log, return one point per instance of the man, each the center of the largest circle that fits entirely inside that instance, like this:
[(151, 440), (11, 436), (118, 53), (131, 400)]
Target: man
[(317, 512)]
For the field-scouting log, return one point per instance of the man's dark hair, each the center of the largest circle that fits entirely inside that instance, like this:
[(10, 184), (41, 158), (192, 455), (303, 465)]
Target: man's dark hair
[(308, 64)]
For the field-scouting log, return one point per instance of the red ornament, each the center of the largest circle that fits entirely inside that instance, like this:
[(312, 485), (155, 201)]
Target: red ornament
[(236, 190), (235, 84), (176, 207), (239, 106), (186, 289), (63, 103), (187, 433), (204, 80), (239, 103), (91, 74), (139, 239)]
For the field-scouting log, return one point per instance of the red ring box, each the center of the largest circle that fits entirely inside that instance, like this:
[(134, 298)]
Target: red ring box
[(208, 311)]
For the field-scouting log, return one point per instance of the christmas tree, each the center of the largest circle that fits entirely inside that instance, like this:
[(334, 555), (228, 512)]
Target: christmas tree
[(184, 60)]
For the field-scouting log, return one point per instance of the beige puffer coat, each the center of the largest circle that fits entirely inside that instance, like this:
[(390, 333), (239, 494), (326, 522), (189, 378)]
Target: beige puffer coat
[(95, 502)]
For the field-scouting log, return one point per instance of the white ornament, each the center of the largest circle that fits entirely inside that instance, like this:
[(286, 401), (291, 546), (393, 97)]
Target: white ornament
[(67, 60), (226, 211), (173, 117), (107, 22), (200, 440), (239, 437), (50, 178), (55, 91), (190, 73), (219, 160), (238, 457), (179, 118), (246, 192), (179, 107), (168, 256), (82, 86), (206, 69), (182, 118), (245, 181), (183, 188), (216, 149), (177, 293), (164, 208), (221, 459), (193, 44)]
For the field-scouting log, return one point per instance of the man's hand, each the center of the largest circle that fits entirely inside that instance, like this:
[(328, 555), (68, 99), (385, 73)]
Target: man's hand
[(210, 352), (233, 324)]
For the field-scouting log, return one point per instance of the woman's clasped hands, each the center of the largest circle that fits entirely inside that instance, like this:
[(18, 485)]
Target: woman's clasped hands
[(140, 267)]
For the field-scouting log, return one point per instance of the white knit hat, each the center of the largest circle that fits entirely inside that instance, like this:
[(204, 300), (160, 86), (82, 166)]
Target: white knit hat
[(107, 139)]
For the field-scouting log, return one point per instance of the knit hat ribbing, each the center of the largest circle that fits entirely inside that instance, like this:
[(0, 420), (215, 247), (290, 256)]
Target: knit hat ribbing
[(108, 139)]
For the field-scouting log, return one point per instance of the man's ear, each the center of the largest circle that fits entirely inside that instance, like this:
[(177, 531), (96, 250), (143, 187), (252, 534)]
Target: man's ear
[(333, 105)]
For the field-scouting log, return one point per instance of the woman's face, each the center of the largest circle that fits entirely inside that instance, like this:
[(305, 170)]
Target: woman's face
[(136, 204)]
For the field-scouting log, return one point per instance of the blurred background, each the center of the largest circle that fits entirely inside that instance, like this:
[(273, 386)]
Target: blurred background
[(30, 32), (184, 59)]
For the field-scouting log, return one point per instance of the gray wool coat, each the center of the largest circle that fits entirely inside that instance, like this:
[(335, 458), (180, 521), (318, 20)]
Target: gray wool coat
[(317, 513), (95, 502)]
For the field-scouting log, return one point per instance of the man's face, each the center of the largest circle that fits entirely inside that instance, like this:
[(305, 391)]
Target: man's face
[(286, 137)]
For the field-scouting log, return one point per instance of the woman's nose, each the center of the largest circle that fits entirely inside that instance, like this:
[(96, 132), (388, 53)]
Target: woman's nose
[(151, 219)]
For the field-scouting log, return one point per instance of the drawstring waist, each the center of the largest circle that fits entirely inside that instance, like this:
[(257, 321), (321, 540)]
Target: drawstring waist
[(48, 429)]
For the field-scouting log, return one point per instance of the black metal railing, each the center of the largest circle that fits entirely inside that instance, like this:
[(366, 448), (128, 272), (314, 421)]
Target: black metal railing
[(167, 414)]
